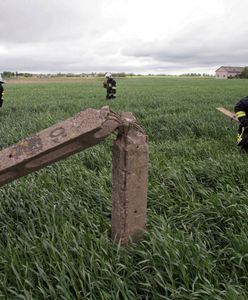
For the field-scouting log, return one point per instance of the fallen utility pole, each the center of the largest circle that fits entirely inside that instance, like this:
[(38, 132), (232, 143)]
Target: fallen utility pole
[(228, 113), (86, 129)]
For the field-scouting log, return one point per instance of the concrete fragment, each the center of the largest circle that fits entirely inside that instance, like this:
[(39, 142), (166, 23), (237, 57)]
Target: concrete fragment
[(84, 130)]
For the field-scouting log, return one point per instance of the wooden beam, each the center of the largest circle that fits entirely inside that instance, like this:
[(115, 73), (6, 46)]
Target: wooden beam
[(228, 113)]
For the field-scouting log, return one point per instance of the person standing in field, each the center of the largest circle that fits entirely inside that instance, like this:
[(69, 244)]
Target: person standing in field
[(110, 85), (241, 111), (1, 91)]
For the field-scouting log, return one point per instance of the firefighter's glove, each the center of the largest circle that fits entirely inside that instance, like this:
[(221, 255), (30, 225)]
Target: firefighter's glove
[(244, 121)]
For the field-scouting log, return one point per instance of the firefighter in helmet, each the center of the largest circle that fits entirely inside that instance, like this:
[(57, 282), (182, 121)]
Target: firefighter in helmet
[(241, 111), (1, 91), (110, 85)]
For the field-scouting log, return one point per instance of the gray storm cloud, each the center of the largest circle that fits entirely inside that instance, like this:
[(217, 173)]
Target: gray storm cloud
[(209, 43)]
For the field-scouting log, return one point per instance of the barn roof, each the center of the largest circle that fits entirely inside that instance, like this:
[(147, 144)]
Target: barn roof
[(231, 69)]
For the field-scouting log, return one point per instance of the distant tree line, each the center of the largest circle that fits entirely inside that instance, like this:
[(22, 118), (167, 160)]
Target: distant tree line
[(10, 74), (197, 75), (7, 74)]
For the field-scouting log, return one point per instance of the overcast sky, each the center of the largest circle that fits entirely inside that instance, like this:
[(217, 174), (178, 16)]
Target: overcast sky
[(139, 36)]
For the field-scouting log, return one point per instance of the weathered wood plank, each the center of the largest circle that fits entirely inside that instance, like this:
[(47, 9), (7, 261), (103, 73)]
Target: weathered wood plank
[(228, 113)]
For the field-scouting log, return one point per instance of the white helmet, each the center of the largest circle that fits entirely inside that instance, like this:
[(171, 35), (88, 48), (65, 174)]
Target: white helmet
[(108, 75), (1, 79)]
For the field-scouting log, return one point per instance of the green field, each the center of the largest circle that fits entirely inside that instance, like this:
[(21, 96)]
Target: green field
[(55, 224)]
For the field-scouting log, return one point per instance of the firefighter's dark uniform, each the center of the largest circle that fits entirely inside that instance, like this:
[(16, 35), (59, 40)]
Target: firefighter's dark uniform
[(110, 85), (1, 93), (241, 111)]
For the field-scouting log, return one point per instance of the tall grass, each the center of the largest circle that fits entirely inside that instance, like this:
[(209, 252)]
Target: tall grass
[(55, 224)]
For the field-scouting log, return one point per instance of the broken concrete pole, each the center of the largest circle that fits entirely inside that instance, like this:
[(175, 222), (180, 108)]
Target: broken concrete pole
[(84, 130), (88, 128), (129, 185)]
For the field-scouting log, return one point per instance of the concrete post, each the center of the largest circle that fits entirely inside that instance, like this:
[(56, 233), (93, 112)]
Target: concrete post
[(129, 186)]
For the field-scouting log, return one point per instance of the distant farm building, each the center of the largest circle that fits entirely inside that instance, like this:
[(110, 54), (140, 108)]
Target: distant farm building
[(228, 72)]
